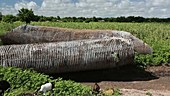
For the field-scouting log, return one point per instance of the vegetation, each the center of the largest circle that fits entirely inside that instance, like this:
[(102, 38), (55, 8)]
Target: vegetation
[(149, 94), (0, 16), (4, 27), (9, 18), (24, 81), (28, 81), (25, 15)]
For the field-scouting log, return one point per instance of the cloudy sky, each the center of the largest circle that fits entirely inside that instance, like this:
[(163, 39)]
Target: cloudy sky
[(90, 8)]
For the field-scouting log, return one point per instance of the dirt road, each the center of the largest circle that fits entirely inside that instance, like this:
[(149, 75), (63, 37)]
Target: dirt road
[(131, 80)]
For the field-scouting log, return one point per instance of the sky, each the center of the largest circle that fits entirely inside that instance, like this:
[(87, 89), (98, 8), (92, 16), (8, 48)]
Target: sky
[(89, 8)]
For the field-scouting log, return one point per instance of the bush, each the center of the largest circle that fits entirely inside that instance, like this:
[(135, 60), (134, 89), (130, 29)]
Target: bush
[(9, 18), (24, 81)]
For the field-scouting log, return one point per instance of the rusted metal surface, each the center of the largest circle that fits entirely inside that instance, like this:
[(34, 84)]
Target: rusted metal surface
[(69, 56), (39, 34)]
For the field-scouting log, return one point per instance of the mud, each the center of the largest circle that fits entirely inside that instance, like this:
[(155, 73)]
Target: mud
[(130, 79)]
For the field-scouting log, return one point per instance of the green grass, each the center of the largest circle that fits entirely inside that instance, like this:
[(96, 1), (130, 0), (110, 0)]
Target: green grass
[(5, 27), (157, 35)]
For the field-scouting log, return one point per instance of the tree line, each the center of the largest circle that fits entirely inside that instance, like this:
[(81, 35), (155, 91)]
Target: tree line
[(26, 15)]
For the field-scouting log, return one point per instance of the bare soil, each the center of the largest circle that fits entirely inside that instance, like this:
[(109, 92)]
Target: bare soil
[(130, 79)]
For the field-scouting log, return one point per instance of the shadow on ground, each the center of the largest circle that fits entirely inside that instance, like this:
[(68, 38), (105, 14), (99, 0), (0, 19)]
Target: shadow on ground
[(124, 73)]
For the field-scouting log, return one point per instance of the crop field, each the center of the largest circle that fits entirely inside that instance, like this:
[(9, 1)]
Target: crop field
[(157, 35)]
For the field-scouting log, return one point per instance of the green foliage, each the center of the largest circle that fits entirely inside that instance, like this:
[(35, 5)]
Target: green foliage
[(27, 81), (87, 20), (18, 92), (70, 88), (4, 27), (117, 92), (149, 94), (159, 57), (9, 18), (0, 16), (26, 15)]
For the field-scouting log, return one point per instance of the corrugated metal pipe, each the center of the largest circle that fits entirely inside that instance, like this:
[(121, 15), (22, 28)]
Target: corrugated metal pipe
[(38, 34), (69, 56)]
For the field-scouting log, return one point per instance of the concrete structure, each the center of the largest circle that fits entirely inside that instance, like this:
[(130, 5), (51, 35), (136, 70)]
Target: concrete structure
[(69, 56), (27, 34)]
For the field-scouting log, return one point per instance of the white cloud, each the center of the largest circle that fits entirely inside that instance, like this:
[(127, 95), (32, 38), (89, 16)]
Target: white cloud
[(30, 5), (99, 8), (5, 9)]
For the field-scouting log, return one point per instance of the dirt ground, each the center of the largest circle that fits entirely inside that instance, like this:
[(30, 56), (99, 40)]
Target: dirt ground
[(131, 80)]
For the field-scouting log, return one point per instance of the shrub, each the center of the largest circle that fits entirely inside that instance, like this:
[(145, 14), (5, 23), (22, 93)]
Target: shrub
[(24, 81)]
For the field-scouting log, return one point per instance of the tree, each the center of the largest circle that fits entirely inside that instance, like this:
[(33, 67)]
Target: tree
[(26, 15), (36, 18), (74, 19), (94, 19), (58, 18), (87, 20), (121, 19), (0, 16), (42, 19), (9, 18)]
